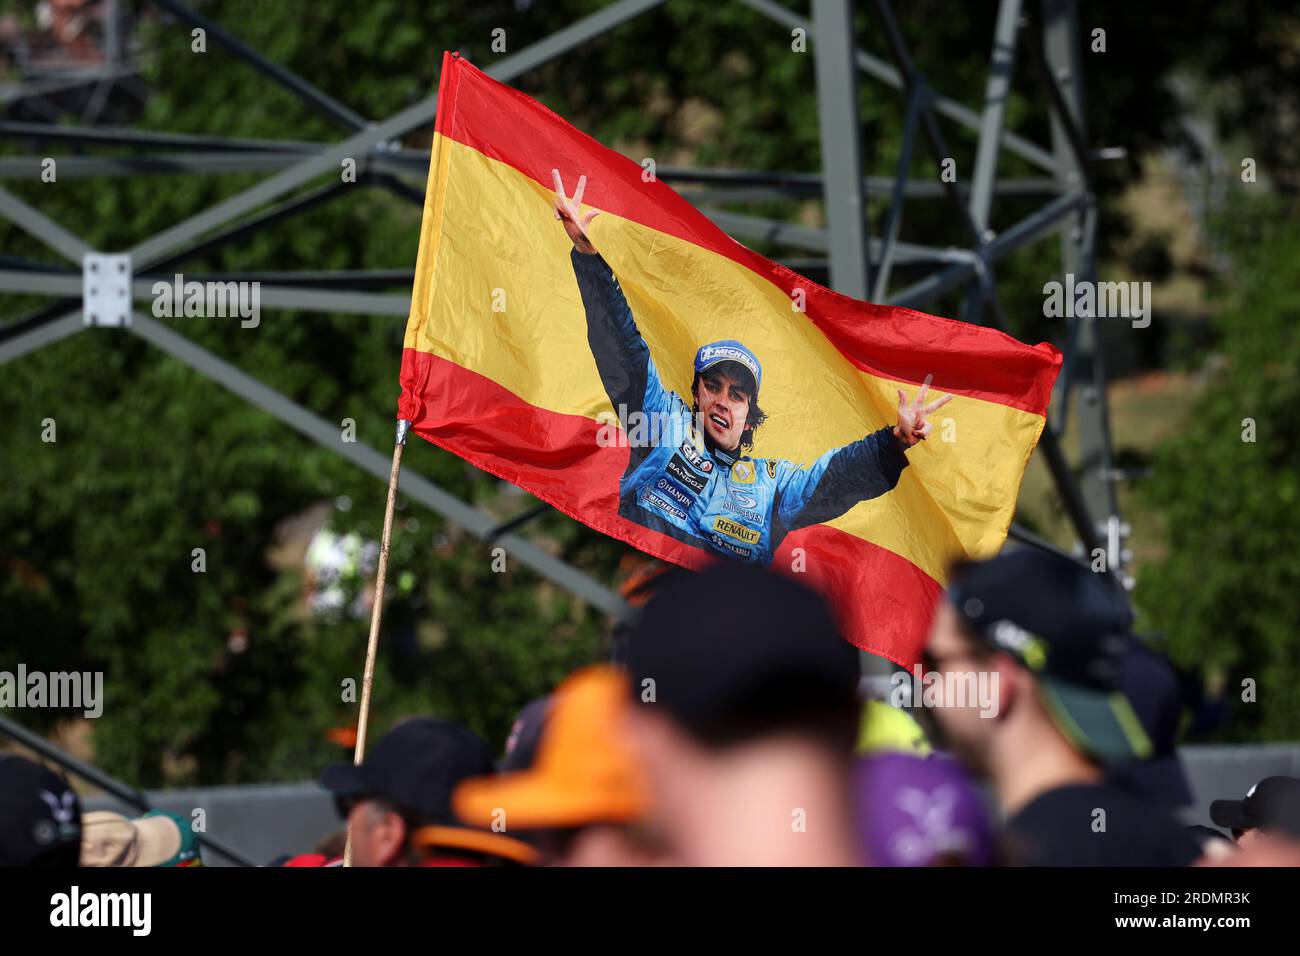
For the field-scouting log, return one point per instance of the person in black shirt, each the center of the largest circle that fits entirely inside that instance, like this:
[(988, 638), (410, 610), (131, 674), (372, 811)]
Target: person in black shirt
[(1048, 637)]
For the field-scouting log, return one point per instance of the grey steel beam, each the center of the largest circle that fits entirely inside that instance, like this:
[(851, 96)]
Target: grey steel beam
[(926, 290), (270, 296), (353, 279), (149, 139), (996, 92), (894, 218), (246, 227), (1066, 105), (841, 145), (1072, 497), (414, 116), (913, 80), (1040, 223), (39, 283), (1062, 72), (313, 97), (40, 336), (326, 434), (85, 167), (890, 76), (561, 41), (817, 240), (17, 92), (37, 224), (306, 300), (810, 184), (1018, 532), (875, 185)]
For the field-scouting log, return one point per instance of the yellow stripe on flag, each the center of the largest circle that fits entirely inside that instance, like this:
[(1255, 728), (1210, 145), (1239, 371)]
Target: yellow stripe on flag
[(489, 242)]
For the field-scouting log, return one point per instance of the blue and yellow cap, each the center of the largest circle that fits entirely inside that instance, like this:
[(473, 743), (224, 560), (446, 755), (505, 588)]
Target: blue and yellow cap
[(729, 350)]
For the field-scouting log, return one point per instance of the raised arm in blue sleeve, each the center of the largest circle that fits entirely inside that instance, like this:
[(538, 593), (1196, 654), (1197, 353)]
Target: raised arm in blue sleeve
[(622, 358), (838, 480)]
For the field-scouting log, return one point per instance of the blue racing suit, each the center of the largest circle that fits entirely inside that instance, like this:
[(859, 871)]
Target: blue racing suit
[(734, 505)]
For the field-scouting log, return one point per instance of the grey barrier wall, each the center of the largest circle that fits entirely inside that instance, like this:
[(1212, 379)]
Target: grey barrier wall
[(1227, 772), (261, 821), (266, 821)]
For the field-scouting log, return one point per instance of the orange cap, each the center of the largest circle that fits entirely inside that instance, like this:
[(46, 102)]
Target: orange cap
[(583, 773)]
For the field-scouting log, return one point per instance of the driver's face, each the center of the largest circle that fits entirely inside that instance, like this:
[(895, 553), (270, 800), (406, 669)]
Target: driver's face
[(724, 407)]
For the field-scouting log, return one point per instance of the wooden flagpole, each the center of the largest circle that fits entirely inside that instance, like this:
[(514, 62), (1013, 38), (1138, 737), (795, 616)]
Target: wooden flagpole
[(377, 610)]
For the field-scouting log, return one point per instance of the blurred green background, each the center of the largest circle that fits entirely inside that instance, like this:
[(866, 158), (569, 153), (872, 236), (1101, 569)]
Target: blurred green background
[(227, 676)]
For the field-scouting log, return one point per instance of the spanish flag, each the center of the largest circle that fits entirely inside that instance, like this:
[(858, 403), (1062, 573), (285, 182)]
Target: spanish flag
[(667, 386)]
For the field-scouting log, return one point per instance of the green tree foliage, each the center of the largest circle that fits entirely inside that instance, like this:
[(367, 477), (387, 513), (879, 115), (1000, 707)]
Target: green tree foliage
[(1228, 595), (220, 676)]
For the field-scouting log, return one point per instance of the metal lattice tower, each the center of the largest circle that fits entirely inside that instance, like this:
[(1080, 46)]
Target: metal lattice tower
[(859, 263)]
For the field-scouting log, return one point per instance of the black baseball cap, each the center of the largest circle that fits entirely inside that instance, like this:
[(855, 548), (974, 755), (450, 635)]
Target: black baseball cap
[(40, 816), (736, 652), (525, 735), (416, 765), (1069, 628), (1153, 690), (1271, 804)]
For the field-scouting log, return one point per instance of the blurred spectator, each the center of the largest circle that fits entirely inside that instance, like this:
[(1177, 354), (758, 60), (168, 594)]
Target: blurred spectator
[(1050, 636), (398, 801), (1213, 844), (917, 811), (745, 720), (583, 798), (888, 729), (1270, 808), (1152, 688), (644, 578), (159, 838), (525, 734), (1274, 851), (40, 816)]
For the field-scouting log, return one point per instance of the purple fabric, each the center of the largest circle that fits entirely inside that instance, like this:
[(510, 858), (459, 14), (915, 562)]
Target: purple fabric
[(916, 811)]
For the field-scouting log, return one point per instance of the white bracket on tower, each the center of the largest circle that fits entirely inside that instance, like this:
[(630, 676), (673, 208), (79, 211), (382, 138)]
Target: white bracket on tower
[(106, 289)]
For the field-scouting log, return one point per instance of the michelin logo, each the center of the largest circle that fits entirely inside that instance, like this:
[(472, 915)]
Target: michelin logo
[(727, 353), (649, 498)]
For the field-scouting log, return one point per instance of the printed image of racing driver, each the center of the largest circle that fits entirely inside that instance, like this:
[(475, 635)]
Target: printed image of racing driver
[(693, 480)]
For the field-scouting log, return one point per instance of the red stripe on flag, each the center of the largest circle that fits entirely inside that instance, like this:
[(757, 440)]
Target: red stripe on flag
[(887, 600), (891, 342)]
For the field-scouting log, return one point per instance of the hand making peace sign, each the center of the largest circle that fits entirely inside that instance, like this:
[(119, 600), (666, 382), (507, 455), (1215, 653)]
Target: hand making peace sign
[(913, 425), (570, 214)]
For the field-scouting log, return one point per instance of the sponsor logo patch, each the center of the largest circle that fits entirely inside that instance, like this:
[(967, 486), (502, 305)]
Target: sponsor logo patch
[(743, 472), (753, 517), (743, 498), (691, 479), (692, 454), (738, 531), (667, 507), (724, 545), (670, 489)]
